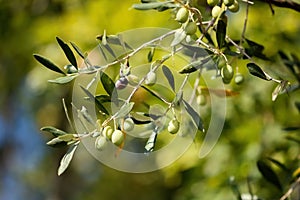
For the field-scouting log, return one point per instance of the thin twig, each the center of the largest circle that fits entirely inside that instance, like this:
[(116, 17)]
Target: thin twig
[(290, 191)]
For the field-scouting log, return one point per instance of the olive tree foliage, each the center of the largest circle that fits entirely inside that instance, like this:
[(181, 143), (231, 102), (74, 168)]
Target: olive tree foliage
[(202, 28)]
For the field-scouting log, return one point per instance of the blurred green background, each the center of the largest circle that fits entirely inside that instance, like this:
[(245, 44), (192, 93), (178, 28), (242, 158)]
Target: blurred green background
[(28, 167)]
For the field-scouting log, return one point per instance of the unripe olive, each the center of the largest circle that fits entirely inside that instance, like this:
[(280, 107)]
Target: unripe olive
[(234, 7), (215, 12), (212, 2), (182, 15), (173, 126), (100, 143), (201, 99), (227, 72), (121, 83), (226, 81), (70, 69), (107, 132), (228, 2), (128, 124), (151, 78), (190, 28), (117, 137), (239, 78), (132, 79)]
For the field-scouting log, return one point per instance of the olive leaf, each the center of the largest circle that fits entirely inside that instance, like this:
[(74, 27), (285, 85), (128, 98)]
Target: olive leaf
[(47, 63), (63, 80), (255, 49), (116, 40), (68, 52), (279, 88), (103, 98), (297, 104), (107, 82), (195, 65), (179, 36), (54, 131), (279, 164), (221, 33), (168, 74), (195, 116), (268, 173), (124, 110), (150, 144), (151, 54), (77, 49), (65, 161), (61, 140), (151, 5), (255, 70), (98, 104)]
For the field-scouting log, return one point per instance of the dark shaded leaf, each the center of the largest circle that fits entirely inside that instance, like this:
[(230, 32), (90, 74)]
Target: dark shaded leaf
[(195, 116), (297, 104), (221, 33), (47, 63), (168, 74), (98, 104), (63, 80), (268, 173), (77, 49), (195, 51), (140, 122), (292, 138), (150, 144), (194, 66), (257, 71), (153, 5), (291, 128), (279, 164), (65, 161), (103, 98), (156, 92), (255, 49), (115, 39), (151, 54), (68, 52), (108, 83), (54, 131)]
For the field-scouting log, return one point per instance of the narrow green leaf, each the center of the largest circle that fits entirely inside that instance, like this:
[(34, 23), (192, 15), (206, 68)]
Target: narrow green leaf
[(78, 50), (291, 128), (221, 33), (168, 74), (268, 173), (108, 83), (195, 116), (279, 164), (56, 142), (63, 80), (148, 6), (179, 36), (68, 52), (150, 144), (54, 131), (116, 40), (124, 110), (195, 51), (151, 54), (194, 66), (255, 70), (65, 161), (255, 49), (47, 63), (103, 98), (98, 104), (140, 122), (292, 138)]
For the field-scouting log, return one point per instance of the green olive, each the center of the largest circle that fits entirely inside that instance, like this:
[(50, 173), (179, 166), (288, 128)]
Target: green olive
[(226, 81), (228, 2), (182, 15), (216, 11), (107, 132), (151, 78), (234, 7), (212, 2), (100, 143), (190, 28), (227, 72), (173, 126), (117, 137), (201, 99), (239, 78), (128, 124)]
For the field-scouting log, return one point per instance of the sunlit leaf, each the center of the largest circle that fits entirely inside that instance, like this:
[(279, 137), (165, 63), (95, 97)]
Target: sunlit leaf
[(56, 142), (47, 63), (124, 110), (268, 173), (54, 131), (98, 104), (279, 164), (255, 70), (150, 144), (178, 37), (68, 52), (65, 161), (221, 32), (195, 116), (280, 88), (168, 74), (63, 80)]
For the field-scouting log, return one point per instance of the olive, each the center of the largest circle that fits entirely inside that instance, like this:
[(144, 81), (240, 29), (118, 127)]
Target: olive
[(201, 99), (70, 69), (128, 124), (190, 28), (212, 2), (117, 137), (228, 2), (132, 79), (107, 132), (239, 78), (234, 7), (121, 83), (226, 81), (182, 15), (100, 143), (173, 126), (227, 72), (215, 12), (150, 78)]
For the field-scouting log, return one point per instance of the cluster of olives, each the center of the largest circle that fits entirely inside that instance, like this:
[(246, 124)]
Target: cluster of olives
[(115, 136), (231, 5), (189, 26)]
